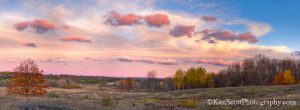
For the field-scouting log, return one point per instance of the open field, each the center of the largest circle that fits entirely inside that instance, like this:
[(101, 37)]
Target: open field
[(90, 97)]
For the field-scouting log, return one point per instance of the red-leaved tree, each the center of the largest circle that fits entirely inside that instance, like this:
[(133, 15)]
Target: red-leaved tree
[(27, 80)]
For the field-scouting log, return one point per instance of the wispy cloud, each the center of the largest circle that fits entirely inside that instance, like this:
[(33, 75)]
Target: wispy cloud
[(56, 60), (75, 39), (148, 60), (216, 62), (29, 44), (92, 59), (258, 29)]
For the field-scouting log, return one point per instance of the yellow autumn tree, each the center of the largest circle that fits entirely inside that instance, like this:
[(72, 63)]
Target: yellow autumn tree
[(27, 80), (285, 78), (179, 79), (289, 78), (210, 80), (195, 77), (278, 79)]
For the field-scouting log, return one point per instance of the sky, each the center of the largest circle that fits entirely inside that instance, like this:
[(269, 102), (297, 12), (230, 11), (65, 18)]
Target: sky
[(122, 38)]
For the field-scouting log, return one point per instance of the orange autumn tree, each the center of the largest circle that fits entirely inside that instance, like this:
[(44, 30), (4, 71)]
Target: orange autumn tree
[(285, 78), (127, 84), (27, 80)]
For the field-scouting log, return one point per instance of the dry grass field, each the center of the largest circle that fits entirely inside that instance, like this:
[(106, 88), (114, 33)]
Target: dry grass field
[(91, 97)]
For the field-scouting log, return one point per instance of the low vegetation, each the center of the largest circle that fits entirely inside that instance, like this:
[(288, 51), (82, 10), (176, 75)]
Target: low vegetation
[(107, 101), (190, 103)]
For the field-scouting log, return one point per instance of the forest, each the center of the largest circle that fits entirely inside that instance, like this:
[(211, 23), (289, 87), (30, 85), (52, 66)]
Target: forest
[(258, 70)]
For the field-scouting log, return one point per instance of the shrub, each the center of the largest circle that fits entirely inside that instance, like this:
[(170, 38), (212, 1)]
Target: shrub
[(188, 103), (107, 101), (53, 95), (86, 97)]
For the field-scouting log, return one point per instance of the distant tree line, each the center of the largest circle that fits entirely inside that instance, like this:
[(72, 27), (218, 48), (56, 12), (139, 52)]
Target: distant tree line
[(259, 70)]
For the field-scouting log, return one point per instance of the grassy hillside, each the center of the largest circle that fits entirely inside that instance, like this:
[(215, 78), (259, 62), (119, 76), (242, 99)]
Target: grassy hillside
[(91, 97)]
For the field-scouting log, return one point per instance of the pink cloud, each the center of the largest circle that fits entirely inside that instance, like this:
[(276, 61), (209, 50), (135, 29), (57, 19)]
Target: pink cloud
[(205, 32), (65, 26), (222, 35), (247, 36), (216, 62), (117, 19), (29, 44), (157, 20), (22, 25), (40, 25), (75, 39), (209, 18), (182, 30), (148, 60), (228, 36)]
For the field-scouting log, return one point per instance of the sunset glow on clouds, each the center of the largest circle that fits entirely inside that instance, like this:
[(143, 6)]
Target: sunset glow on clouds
[(122, 38)]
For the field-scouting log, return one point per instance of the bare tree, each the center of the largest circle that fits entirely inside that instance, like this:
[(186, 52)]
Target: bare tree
[(151, 75), (168, 84)]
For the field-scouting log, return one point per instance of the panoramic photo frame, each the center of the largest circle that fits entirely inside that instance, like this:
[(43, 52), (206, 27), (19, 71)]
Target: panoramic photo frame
[(149, 54)]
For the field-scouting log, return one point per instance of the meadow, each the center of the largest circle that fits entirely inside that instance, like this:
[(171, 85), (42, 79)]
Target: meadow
[(93, 97)]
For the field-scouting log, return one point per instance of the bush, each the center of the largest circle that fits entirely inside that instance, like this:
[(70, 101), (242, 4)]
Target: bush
[(188, 103), (53, 95), (86, 97), (107, 101)]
